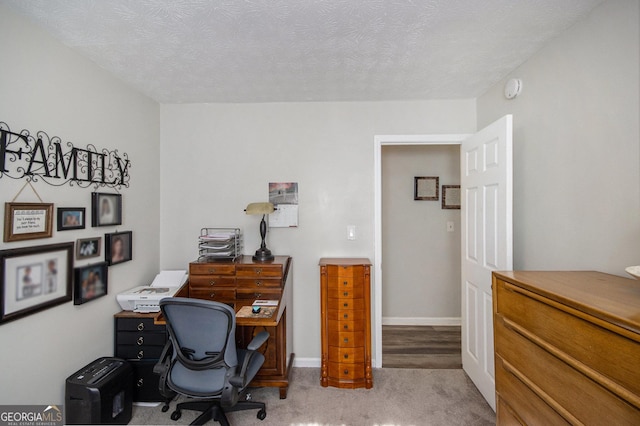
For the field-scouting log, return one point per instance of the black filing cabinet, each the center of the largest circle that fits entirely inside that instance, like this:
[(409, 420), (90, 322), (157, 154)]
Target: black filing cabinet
[(140, 341)]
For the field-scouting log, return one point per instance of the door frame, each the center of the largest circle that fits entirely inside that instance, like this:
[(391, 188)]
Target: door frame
[(379, 142)]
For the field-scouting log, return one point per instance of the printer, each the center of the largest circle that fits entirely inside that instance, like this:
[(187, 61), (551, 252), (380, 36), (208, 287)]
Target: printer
[(145, 299)]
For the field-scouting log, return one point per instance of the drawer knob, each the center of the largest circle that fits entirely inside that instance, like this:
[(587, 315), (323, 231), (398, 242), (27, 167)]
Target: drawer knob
[(345, 294), (140, 341), (212, 295), (212, 270), (140, 382), (212, 282), (258, 283), (346, 305), (346, 327), (140, 354), (257, 295), (346, 340), (346, 372), (346, 356), (141, 326), (258, 271), (345, 283), (346, 316)]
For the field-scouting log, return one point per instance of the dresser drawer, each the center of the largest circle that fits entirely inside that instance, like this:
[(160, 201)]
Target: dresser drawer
[(205, 281), (346, 339), (346, 293), (550, 378), (346, 371), (346, 315), (141, 339), (145, 382), (515, 396), (249, 293), (346, 325), (215, 293), (211, 268), (136, 352), (259, 282), (138, 324), (345, 304), (346, 355), (612, 354), (340, 271), (252, 271)]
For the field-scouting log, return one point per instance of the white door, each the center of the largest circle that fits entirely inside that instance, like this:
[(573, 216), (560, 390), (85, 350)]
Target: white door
[(486, 191)]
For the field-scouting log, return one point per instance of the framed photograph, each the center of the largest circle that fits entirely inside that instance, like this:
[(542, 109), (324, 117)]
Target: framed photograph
[(117, 247), (106, 209), (71, 218), (90, 282), (426, 188), (451, 196), (34, 278), (27, 221), (88, 247)]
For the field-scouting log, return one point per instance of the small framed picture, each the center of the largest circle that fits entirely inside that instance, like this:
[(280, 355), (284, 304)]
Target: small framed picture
[(117, 247), (27, 221), (88, 247), (90, 282), (70, 218), (426, 188), (106, 209), (34, 278), (451, 196)]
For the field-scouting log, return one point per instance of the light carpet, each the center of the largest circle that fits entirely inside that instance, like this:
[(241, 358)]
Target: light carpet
[(399, 397)]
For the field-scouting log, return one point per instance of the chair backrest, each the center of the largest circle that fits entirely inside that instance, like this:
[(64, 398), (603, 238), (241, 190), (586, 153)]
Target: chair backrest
[(202, 332)]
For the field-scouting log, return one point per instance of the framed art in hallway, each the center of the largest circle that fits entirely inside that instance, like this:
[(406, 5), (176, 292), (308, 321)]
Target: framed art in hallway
[(451, 197), (27, 221), (106, 209), (88, 247), (71, 218), (425, 188), (118, 247), (90, 282), (34, 279)]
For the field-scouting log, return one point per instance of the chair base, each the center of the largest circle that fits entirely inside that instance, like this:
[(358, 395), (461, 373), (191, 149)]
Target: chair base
[(211, 410)]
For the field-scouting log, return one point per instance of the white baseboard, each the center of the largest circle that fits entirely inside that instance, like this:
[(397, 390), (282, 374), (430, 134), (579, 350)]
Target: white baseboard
[(421, 321), (306, 362)]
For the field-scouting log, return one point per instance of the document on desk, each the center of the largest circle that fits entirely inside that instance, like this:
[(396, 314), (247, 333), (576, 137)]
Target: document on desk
[(263, 302), (170, 279)]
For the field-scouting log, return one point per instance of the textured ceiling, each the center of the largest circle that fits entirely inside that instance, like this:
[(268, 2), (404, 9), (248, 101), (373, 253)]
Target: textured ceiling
[(179, 51)]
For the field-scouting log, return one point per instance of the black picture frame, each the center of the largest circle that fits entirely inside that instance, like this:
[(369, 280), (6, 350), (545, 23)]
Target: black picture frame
[(34, 278), (118, 247), (71, 218), (90, 282), (451, 197), (426, 188), (88, 247), (106, 209)]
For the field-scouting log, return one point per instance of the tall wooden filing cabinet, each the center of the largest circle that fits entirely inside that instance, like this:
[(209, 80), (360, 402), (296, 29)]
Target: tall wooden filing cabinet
[(140, 341), (567, 348), (345, 306)]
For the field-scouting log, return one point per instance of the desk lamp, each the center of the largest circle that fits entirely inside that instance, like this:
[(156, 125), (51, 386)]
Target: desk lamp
[(263, 254)]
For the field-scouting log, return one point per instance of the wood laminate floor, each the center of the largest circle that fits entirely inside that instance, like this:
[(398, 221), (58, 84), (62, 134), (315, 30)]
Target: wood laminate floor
[(421, 346)]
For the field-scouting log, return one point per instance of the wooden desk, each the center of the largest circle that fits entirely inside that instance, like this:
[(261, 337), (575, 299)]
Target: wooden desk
[(238, 284)]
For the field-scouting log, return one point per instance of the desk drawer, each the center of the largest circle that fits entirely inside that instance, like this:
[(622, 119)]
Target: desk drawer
[(211, 269), (346, 293), (346, 339), (205, 281), (552, 377), (138, 324), (219, 294), (346, 355), (346, 371), (262, 271), (145, 382), (259, 283), (612, 354), (139, 352), (351, 271), (345, 304), (141, 339), (345, 315), (341, 325), (258, 293)]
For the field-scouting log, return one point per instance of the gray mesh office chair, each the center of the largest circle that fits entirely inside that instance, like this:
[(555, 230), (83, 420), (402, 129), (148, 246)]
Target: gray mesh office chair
[(201, 360)]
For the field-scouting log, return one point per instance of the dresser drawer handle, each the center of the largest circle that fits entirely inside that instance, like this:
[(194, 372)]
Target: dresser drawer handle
[(346, 340), (346, 356), (212, 295), (212, 282), (141, 326), (140, 382), (345, 294), (257, 295), (258, 283), (140, 341), (212, 270), (140, 354), (258, 271), (345, 283), (346, 327), (346, 305), (346, 372), (346, 316)]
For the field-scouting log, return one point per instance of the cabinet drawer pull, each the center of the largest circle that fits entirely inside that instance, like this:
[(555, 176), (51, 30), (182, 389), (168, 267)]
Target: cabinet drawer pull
[(345, 294), (212, 282), (257, 295), (258, 283), (345, 282), (346, 356), (140, 341), (346, 372), (258, 271), (346, 316), (212, 295), (346, 340), (141, 326), (140, 354), (212, 270), (346, 327), (140, 382), (346, 305)]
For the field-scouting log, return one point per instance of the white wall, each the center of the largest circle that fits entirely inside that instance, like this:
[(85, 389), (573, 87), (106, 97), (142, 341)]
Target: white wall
[(422, 259), (577, 146), (45, 86), (215, 159)]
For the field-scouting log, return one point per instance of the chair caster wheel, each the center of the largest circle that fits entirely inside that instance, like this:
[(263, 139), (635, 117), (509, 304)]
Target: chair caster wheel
[(176, 415), (165, 408), (262, 414)]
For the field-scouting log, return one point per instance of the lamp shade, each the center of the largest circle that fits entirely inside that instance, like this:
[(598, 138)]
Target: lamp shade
[(260, 208)]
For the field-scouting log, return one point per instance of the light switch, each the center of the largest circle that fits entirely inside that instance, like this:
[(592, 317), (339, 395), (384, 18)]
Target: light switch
[(351, 232), (450, 227)]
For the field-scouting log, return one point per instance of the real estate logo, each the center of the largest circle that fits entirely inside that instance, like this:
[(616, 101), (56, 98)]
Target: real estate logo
[(31, 415)]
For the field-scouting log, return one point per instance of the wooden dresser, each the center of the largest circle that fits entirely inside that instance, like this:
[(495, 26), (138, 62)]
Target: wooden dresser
[(567, 348), (345, 306), (238, 284)]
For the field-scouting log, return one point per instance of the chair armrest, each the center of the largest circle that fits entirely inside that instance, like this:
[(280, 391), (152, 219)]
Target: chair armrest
[(257, 341)]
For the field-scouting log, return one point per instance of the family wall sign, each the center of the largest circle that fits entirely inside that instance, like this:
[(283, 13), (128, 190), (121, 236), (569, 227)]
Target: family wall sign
[(39, 157)]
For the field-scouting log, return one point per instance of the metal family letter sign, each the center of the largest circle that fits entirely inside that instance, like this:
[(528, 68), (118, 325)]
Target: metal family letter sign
[(48, 159)]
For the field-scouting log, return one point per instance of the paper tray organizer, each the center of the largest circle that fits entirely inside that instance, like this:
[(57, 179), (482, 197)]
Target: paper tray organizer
[(219, 244)]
